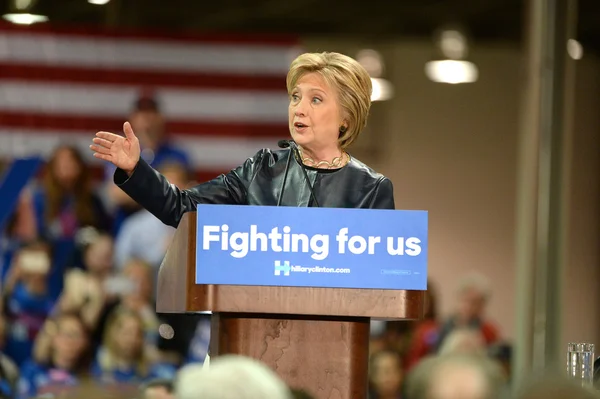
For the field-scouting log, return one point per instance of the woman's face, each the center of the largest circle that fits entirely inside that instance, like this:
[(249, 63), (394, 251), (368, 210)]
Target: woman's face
[(314, 113), (128, 337), (70, 342), (387, 374), (66, 169), (99, 256)]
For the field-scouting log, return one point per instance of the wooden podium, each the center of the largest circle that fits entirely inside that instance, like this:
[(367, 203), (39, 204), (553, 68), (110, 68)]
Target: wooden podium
[(316, 339)]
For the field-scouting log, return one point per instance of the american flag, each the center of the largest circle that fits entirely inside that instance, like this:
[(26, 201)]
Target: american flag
[(224, 97)]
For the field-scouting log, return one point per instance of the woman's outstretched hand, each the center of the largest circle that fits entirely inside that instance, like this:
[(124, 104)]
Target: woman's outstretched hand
[(123, 152)]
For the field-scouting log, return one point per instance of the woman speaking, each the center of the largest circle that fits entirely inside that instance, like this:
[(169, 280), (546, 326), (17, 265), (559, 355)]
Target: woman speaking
[(330, 98)]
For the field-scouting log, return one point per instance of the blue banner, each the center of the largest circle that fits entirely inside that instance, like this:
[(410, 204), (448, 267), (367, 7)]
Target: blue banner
[(311, 247), (12, 183)]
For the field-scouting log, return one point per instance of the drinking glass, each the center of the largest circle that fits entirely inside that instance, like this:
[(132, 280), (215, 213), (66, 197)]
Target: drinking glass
[(580, 362)]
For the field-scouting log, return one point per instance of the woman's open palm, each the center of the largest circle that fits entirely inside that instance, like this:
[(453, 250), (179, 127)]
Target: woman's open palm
[(123, 152)]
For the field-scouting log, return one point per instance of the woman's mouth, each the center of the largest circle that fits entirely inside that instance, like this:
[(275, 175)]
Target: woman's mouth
[(300, 127)]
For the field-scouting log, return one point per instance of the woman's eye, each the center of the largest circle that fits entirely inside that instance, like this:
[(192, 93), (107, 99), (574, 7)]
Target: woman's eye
[(316, 100), (295, 97)]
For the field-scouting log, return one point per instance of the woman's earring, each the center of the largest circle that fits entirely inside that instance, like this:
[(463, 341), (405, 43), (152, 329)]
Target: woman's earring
[(343, 129)]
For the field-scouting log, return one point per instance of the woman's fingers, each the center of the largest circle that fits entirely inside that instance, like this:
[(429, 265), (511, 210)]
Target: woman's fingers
[(102, 156), (100, 149), (108, 136), (102, 142)]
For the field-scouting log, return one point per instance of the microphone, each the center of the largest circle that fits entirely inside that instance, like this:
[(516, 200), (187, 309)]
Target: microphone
[(284, 144), (291, 144)]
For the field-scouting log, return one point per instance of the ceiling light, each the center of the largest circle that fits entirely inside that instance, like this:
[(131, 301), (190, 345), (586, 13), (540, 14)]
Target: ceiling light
[(21, 12), (451, 71), (24, 18), (98, 2), (382, 89)]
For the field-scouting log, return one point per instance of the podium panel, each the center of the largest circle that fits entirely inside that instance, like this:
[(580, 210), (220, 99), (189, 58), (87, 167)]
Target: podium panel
[(325, 356), (315, 339)]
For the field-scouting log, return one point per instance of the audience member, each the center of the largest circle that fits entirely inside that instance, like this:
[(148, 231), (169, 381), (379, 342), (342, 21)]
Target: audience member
[(65, 202), (137, 297), (123, 356), (456, 376), (27, 299), (85, 289), (425, 334), (463, 340), (20, 229), (230, 377), (66, 360), (473, 296), (385, 375)]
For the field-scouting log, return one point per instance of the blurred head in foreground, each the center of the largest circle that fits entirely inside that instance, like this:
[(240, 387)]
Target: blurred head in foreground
[(230, 377), (456, 376), (555, 386)]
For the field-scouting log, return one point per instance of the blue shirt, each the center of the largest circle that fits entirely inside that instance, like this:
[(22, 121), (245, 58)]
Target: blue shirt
[(26, 315), (38, 379)]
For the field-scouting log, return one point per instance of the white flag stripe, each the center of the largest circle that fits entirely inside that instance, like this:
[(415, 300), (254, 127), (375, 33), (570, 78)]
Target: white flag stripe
[(117, 100), (211, 153), (167, 55)]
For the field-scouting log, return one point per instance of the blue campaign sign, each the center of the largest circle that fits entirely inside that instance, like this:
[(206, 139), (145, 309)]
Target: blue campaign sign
[(311, 247)]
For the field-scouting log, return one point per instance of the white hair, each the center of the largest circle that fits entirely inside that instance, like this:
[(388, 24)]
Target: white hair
[(230, 377), (475, 282), (456, 375), (463, 340)]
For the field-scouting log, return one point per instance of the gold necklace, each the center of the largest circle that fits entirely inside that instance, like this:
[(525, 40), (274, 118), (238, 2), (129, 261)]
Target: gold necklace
[(337, 162)]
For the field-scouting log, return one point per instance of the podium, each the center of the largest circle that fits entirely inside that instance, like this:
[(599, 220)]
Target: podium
[(315, 339)]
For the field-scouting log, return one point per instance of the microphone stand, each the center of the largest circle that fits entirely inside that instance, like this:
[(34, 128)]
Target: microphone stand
[(284, 144), (294, 150)]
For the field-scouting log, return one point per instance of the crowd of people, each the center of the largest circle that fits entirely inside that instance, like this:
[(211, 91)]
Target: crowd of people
[(78, 270)]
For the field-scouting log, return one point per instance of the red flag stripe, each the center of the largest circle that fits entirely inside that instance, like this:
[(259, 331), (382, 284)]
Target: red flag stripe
[(94, 123), (103, 76)]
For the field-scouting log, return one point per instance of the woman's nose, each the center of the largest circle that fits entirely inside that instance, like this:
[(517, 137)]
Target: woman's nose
[(300, 108)]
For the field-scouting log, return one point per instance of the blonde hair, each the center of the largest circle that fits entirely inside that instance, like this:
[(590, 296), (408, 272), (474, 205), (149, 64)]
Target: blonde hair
[(106, 354), (345, 75)]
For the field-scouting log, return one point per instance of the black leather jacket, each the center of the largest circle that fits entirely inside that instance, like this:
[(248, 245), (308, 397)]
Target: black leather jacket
[(259, 182)]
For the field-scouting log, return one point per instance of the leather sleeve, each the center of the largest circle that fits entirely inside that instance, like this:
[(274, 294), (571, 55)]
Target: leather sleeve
[(383, 197), (168, 203)]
